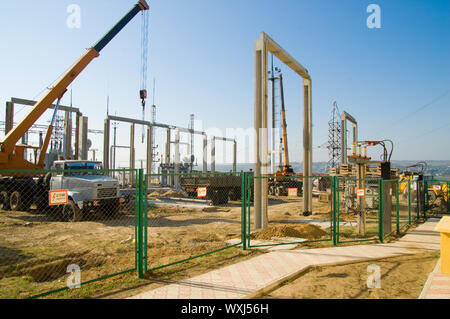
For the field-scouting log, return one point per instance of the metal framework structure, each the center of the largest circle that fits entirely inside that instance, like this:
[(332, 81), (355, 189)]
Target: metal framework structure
[(262, 157), (81, 128), (149, 157), (334, 138)]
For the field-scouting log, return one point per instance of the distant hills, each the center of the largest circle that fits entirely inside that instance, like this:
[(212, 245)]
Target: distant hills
[(439, 169)]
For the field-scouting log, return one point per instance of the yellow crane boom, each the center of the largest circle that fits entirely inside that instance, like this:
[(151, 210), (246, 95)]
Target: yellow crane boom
[(11, 154)]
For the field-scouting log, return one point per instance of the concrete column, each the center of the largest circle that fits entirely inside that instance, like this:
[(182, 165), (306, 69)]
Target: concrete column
[(355, 133), (25, 142), (265, 156), (132, 156), (77, 135), (149, 150), (83, 137), (257, 125), (177, 159), (9, 117), (67, 142), (168, 146), (234, 156), (307, 147), (106, 144), (213, 155), (205, 154)]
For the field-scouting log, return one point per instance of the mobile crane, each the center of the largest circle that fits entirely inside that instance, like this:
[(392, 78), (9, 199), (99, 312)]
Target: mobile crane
[(279, 186), (18, 175)]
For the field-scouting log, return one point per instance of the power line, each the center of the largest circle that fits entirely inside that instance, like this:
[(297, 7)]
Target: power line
[(423, 106)]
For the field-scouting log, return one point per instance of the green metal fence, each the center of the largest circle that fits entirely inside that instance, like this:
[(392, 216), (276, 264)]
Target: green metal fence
[(62, 229), (436, 193), (187, 216), (283, 222), (357, 209)]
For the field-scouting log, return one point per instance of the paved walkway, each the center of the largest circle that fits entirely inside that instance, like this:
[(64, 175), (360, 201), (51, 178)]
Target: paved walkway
[(254, 276), (437, 285)]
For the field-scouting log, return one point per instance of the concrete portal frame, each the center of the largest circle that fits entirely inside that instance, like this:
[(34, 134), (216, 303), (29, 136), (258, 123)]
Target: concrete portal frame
[(81, 128), (213, 152), (262, 46), (344, 118)]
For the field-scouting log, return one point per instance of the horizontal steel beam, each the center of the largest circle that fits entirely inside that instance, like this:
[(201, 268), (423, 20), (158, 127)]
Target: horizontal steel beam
[(225, 139), (153, 124)]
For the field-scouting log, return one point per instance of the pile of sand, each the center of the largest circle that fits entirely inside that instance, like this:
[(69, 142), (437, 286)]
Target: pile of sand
[(154, 194), (171, 193), (298, 231)]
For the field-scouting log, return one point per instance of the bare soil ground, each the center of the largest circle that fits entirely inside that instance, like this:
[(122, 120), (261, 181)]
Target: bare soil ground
[(35, 249), (401, 278)]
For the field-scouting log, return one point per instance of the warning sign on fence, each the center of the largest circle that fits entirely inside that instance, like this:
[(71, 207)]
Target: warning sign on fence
[(360, 192), (292, 192), (60, 197), (201, 192)]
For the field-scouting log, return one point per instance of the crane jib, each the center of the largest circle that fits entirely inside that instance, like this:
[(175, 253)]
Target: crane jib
[(116, 29)]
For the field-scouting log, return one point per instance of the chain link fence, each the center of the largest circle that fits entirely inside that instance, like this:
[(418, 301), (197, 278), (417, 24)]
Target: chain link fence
[(63, 228), (189, 216), (436, 197), (77, 224), (286, 222), (357, 209)]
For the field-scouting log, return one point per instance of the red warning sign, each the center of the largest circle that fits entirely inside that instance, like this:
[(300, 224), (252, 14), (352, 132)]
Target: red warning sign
[(60, 197), (292, 192), (360, 192), (202, 192)]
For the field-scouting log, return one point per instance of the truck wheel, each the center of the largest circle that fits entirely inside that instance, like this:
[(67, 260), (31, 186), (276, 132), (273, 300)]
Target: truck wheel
[(4, 200), (17, 202), (71, 212)]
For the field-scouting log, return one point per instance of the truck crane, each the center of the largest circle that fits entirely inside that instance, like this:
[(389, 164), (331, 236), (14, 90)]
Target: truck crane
[(18, 175), (279, 186)]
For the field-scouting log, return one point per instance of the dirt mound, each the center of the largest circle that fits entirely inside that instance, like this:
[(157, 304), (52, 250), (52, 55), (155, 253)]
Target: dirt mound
[(299, 231), (171, 193), (154, 194)]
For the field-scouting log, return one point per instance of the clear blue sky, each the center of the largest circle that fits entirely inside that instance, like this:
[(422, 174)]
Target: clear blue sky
[(201, 54)]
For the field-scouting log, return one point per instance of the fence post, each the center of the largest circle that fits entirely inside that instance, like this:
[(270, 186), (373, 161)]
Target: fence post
[(333, 209), (249, 194), (417, 200), (380, 209), (243, 209), (145, 218), (139, 240), (425, 193), (398, 206), (409, 202), (337, 210)]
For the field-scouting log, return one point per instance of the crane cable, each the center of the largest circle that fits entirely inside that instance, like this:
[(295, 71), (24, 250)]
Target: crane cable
[(144, 58)]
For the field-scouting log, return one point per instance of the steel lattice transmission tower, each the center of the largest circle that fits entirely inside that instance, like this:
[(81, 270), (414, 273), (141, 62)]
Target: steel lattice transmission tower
[(334, 138)]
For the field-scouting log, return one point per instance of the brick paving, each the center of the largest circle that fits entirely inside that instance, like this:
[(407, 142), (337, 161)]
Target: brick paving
[(247, 278)]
